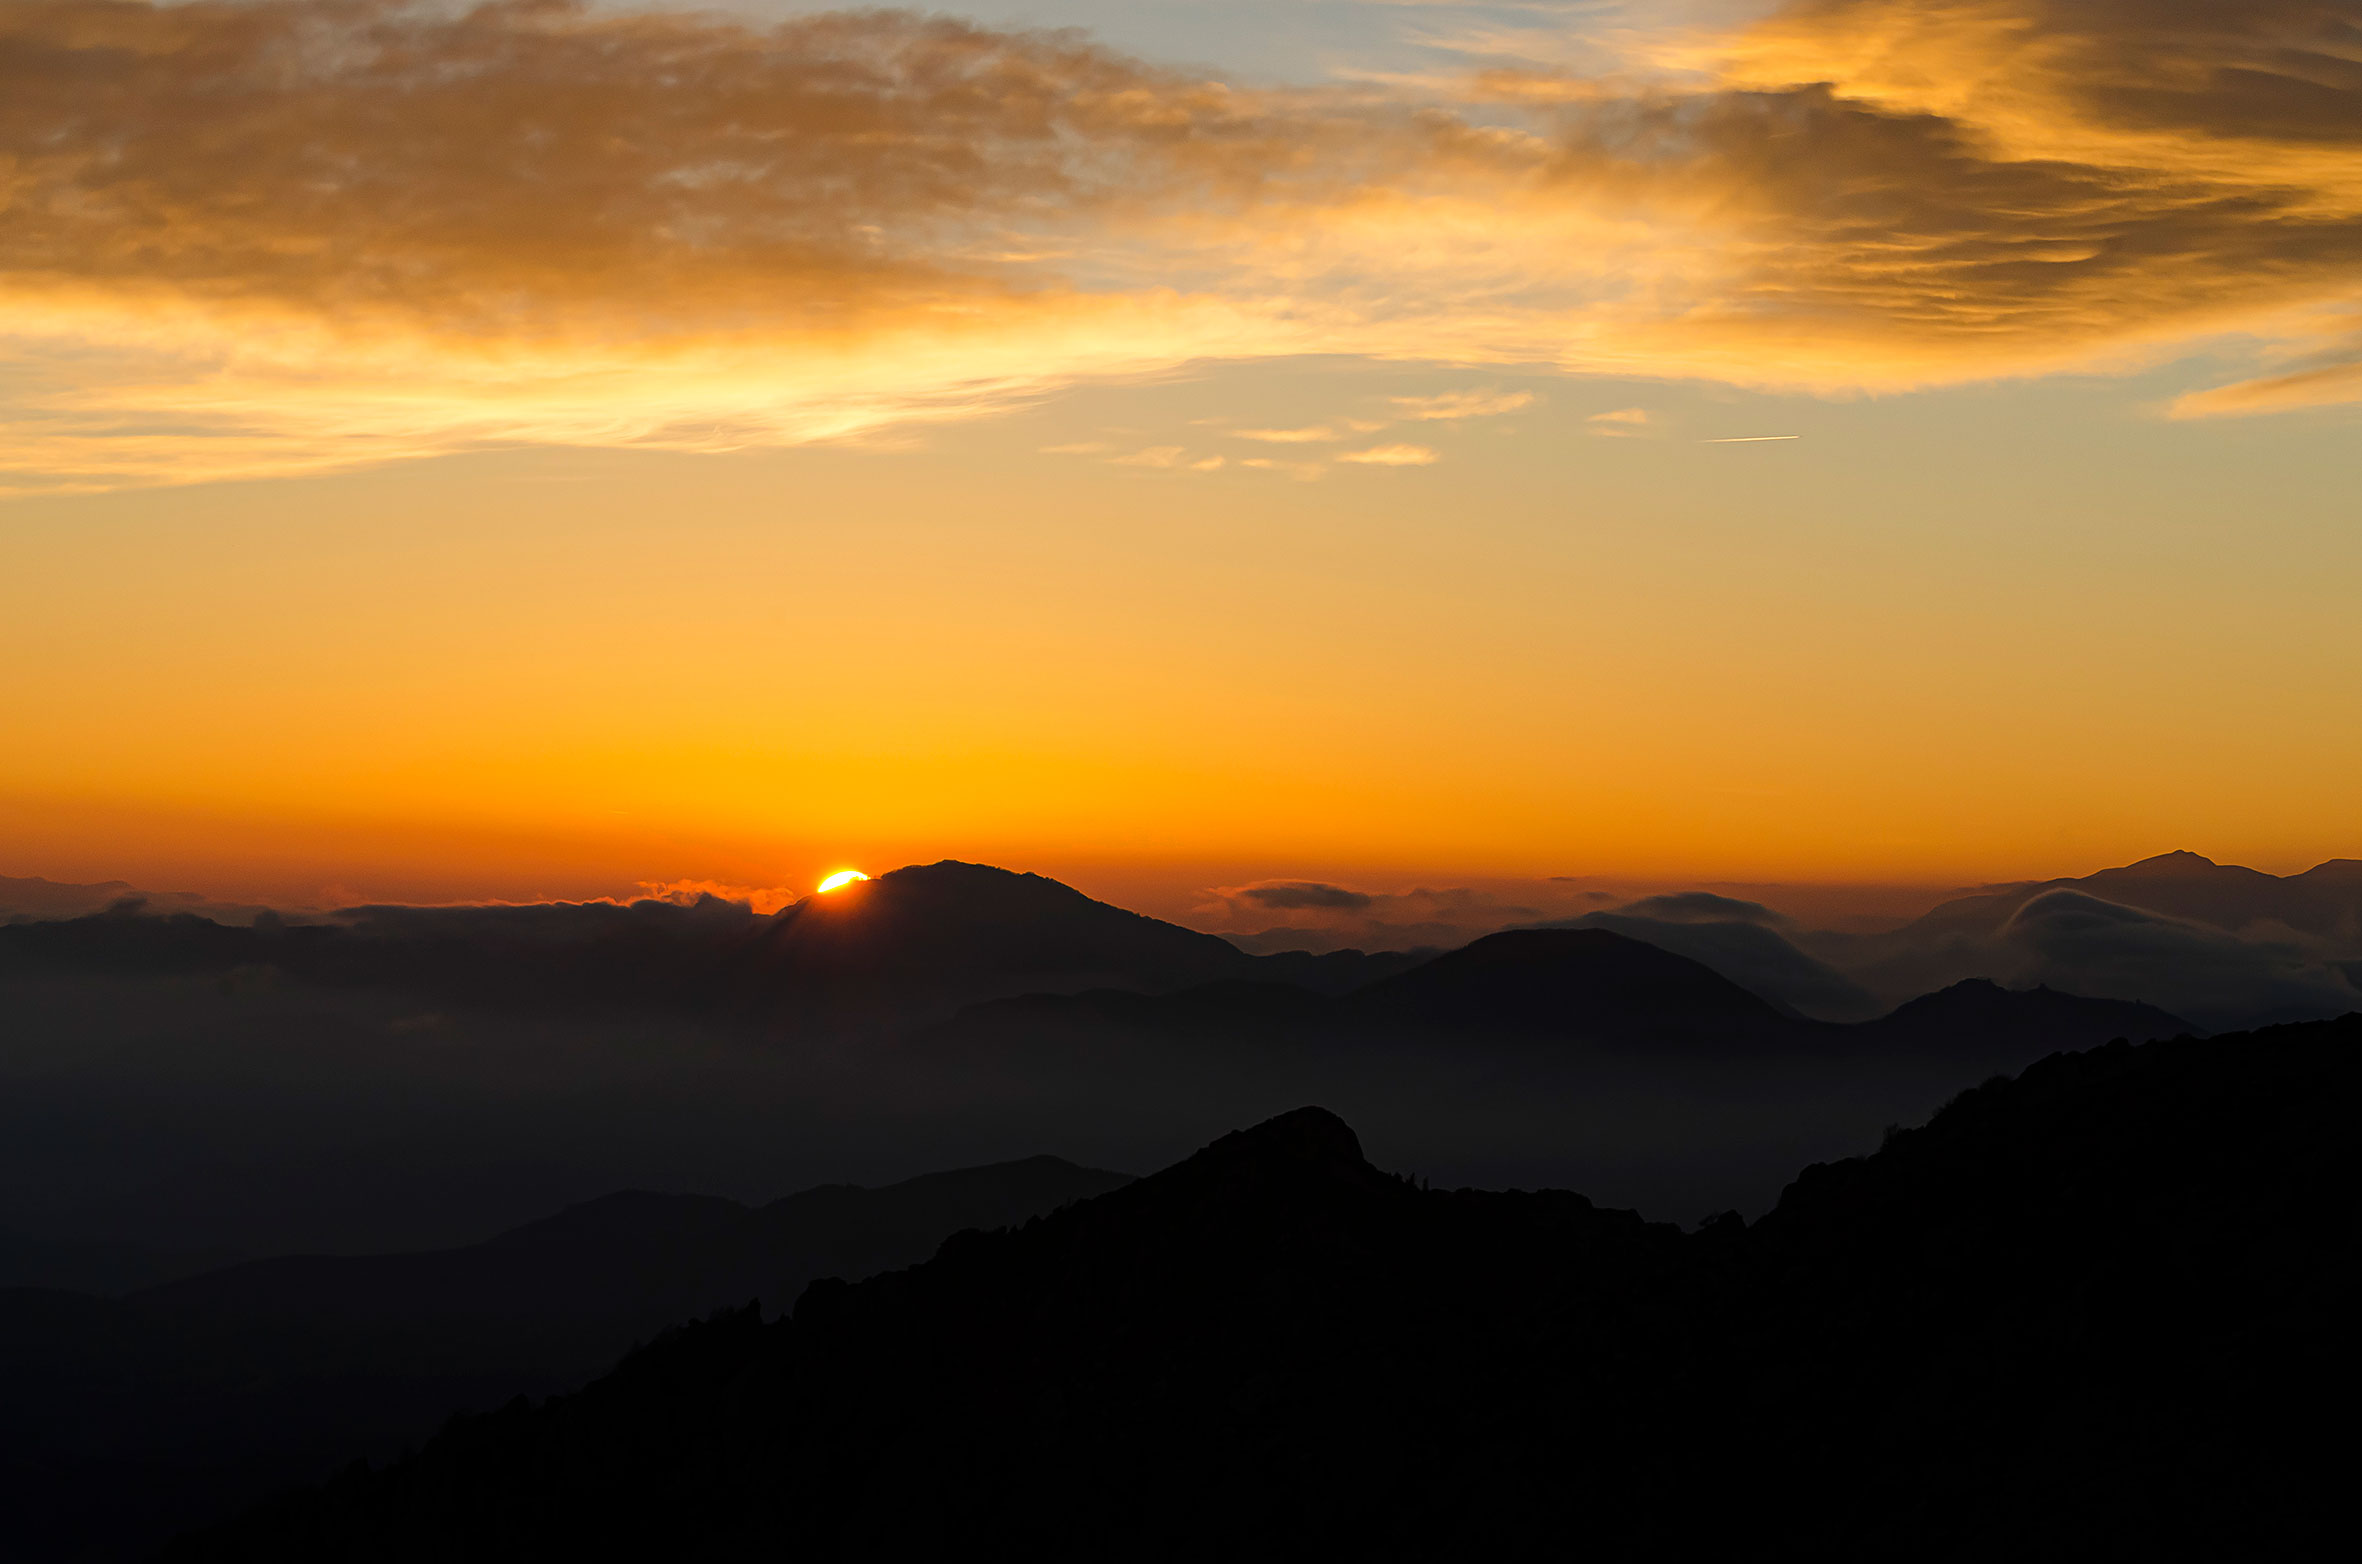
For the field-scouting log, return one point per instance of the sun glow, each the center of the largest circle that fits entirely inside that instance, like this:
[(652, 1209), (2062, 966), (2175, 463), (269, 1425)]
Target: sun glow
[(842, 878)]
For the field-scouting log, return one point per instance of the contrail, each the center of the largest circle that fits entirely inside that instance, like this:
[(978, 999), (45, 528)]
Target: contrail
[(1749, 439)]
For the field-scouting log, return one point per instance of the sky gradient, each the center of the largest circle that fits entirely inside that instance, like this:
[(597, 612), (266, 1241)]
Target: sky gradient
[(532, 451)]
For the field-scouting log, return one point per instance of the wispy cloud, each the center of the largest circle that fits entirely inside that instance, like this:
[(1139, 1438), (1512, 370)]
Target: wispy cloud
[(1303, 472), (1170, 457), (252, 238), (1464, 404), (1391, 456), (1623, 423), (1317, 434)]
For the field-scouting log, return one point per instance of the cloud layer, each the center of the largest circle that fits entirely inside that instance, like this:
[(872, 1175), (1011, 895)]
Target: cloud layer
[(276, 237)]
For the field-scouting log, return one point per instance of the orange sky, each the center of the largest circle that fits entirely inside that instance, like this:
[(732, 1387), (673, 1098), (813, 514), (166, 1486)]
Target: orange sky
[(1331, 479)]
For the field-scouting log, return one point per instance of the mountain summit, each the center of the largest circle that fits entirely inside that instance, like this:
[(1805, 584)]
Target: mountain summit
[(934, 936)]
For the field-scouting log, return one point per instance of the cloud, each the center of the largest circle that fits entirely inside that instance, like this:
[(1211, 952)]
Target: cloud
[(1169, 458), (239, 239), (1464, 404), (2216, 978), (1314, 435), (2324, 378), (1302, 472), (1623, 423), (765, 899), (1699, 907), (1391, 456), (1273, 915)]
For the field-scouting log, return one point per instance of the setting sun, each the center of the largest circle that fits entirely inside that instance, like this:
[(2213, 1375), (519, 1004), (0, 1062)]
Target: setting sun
[(842, 878)]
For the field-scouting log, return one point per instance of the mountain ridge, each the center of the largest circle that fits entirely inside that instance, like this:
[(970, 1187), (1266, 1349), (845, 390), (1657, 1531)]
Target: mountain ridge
[(127, 1418), (1954, 1339), (1586, 986)]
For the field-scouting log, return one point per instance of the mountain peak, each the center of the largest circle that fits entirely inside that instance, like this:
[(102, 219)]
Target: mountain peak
[(2179, 861), (1570, 982), (1262, 1175), (1975, 1009), (1311, 1136)]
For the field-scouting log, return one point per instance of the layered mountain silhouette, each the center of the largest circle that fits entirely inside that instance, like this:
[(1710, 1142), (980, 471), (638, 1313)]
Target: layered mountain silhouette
[(637, 1260), (1571, 983), (916, 943), (1586, 987), (1746, 948), (953, 933), (2223, 945), (124, 1418), (914, 946), (2100, 1311), (1974, 1012), (2326, 899)]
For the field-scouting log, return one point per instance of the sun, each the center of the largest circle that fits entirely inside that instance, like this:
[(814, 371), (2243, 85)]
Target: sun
[(842, 878)]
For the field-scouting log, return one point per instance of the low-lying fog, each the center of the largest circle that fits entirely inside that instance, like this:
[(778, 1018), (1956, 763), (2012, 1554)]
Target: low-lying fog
[(204, 1113)]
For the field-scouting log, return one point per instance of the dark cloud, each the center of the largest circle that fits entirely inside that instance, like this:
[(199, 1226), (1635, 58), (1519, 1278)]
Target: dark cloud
[(1294, 894)]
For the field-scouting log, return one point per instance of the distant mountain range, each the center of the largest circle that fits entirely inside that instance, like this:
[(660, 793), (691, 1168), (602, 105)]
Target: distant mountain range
[(911, 945), (123, 1419), (2324, 900), (2100, 1311), (1586, 987), (915, 946), (2222, 945)]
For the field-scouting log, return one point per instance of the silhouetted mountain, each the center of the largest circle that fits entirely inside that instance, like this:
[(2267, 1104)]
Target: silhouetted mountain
[(1572, 984), (35, 899), (2222, 945), (2326, 899), (1759, 959), (122, 1419), (1588, 987), (2101, 1311), (631, 1262), (1976, 1013), (932, 937), (914, 943), (2225, 946)]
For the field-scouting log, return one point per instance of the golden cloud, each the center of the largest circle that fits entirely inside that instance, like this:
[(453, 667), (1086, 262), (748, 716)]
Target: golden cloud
[(1456, 405), (250, 238), (1391, 456)]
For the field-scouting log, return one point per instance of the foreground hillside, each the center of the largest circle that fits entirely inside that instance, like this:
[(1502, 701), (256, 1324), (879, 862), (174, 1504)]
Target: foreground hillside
[(2089, 1312), (124, 1420)]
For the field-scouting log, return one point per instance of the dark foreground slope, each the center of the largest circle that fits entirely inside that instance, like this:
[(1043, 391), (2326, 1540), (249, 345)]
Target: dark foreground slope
[(2085, 1313), (123, 1420)]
